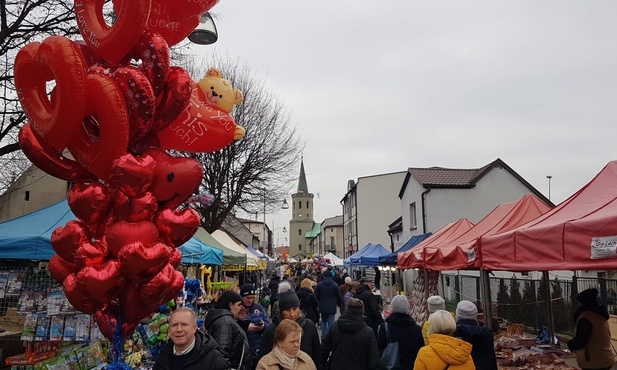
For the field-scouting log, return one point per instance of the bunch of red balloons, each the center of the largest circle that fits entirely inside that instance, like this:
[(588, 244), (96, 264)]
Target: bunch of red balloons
[(115, 104)]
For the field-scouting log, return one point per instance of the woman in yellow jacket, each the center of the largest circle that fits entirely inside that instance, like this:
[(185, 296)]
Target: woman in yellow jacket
[(444, 351)]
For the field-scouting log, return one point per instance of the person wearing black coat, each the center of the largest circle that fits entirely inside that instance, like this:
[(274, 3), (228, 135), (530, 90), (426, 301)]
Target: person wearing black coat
[(273, 285), (372, 311), (350, 344), (329, 297), (404, 330), (480, 337), (289, 306), (221, 323), (308, 301), (205, 352)]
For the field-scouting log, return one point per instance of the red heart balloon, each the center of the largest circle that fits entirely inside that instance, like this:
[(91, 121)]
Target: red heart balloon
[(107, 321), (175, 257), (175, 179), (59, 268), (50, 160), (177, 227), (132, 175), (122, 233), (140, 263), (56, 58), (90, 203), (173, 99), (133, 309), (66, 239), (103, 282), (153, 51), (91, 253), (177, 283), (135, 209), (79, 298), (140, 100), (154, 292)]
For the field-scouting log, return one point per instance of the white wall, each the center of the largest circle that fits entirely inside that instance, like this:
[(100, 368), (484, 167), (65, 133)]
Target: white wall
[(449, 205), (378, 206)]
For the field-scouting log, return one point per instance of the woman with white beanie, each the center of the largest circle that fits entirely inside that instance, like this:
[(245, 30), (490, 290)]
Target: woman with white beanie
[(479, 337), (433, 303), (402, 328)]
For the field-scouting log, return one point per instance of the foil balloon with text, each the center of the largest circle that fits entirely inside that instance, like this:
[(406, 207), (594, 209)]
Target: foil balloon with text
[(116, 104)]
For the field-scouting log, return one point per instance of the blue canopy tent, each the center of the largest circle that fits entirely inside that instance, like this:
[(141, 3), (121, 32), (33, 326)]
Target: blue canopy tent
[(29, 237), (390, 258), (347, 261), (369, 255)]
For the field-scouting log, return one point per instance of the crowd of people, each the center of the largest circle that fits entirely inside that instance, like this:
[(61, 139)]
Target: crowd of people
[(239, 333)]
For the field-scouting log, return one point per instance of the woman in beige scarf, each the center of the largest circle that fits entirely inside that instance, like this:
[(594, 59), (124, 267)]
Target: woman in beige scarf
[(286, 353)]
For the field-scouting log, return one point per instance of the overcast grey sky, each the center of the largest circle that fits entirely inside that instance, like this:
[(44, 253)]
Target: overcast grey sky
[(379, 86)]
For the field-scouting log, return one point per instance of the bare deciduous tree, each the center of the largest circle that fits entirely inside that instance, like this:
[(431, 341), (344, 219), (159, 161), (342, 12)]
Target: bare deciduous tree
[(22, 22), (258, 170)]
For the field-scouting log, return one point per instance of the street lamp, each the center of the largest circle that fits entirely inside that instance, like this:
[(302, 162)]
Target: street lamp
[(265, 244), (205, 33)]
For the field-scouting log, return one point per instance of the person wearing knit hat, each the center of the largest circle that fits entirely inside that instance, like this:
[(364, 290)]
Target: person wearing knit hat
[(592, 339), (253, 320), (433, 303), (480, 337), (283, 287), (402, 328), (289, 308), (350, 343)]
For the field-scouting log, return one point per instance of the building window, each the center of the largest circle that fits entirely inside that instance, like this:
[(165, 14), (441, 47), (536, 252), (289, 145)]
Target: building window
[(27, 197), (397, 239), (300, 232), (413, 222), (299, 215), (331, 230), (300, 247), (300, 205), (307, 205), (332, 242)]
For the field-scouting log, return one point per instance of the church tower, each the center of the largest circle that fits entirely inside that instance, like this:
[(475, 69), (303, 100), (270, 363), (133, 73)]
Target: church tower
[(301, 218)]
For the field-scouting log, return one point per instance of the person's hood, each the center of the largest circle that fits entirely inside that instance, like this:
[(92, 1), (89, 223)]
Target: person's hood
[(361, 288), (400, 318), (349, 323), (595, 308), (451, 350), (214, 315), (468, 329), (327, 280), (303, 292)]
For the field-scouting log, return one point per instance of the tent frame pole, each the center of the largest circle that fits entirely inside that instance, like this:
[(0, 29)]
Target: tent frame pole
[(487, 305), (549, 307)]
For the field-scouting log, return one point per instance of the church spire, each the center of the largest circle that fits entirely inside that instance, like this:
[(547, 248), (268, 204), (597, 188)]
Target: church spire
[(302, 185)]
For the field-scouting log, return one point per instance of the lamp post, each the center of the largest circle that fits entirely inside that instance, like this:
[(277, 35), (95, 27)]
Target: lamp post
[(549, 177), (205, 33), (265, 245)]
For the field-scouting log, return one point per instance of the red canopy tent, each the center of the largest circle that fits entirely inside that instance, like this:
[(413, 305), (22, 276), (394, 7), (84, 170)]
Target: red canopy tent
[(578, 234), (464, 252), (413, 258)]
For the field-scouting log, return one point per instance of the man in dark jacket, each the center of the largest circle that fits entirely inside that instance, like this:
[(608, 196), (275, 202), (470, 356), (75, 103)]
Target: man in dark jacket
[(480, 337), (592, 342), (329, 297), (289, 306), (372, 312), (189, 348), (253, 319), (350, 344), (273, 285)]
